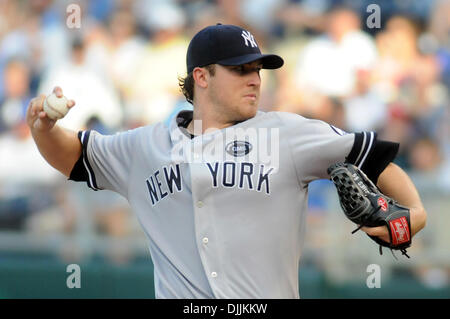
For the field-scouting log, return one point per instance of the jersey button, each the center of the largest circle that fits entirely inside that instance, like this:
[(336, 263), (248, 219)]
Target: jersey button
[(199, 204), (214, 274), (205, 240)]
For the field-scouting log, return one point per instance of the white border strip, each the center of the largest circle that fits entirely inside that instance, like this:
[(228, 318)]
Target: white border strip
[(90, 182), (372, 136), (362, 148)]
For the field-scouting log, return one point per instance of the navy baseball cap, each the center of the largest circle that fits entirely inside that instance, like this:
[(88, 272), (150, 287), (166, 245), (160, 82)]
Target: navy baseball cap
[(226, 44)]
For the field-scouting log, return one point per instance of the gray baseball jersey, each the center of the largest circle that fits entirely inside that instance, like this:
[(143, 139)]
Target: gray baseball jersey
[(224, 212)]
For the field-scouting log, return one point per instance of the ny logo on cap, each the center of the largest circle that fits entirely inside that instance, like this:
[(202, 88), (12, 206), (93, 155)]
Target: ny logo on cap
[(248, 37)]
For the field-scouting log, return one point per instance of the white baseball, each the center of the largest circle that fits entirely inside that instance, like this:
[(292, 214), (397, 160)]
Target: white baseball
[(55, 107)]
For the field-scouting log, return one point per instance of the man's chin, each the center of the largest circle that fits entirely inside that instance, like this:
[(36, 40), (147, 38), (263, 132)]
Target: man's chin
[(248, 113)]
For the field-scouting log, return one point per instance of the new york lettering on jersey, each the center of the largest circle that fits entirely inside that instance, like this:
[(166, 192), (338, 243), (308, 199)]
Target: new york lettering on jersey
[(237, 158), (164, 182)]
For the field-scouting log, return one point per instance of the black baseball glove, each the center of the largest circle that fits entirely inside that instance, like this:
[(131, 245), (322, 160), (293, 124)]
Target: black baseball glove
[(365, 205)]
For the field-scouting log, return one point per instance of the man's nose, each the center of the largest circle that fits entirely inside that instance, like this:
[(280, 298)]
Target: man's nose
[(254, 78)]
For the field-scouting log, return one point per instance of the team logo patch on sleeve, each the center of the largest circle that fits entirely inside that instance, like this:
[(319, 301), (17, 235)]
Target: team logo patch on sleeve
[(238, 148), (400, 231)]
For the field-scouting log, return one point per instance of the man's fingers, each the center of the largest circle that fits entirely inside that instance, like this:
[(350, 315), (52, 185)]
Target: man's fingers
[(70, 103), (36, 117), (380, 232), (37, 104), (43, 122), (375, 231), (43, 115), (58, 91)]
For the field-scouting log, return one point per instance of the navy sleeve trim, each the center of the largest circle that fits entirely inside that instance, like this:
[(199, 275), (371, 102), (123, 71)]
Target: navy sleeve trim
[(362, 146), (82, 171), (372, 155)]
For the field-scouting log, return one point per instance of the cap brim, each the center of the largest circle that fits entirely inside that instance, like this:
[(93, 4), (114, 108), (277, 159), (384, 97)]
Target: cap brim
[(269, 61)]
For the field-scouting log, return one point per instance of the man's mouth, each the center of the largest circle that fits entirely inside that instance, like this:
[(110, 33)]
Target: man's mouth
[(251, 96)]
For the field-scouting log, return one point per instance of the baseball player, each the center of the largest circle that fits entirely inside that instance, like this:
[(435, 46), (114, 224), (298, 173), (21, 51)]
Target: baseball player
[(223, 221)]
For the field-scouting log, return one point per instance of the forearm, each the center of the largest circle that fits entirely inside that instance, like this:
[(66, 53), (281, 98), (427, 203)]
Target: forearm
[(395, 183), (60, 147)]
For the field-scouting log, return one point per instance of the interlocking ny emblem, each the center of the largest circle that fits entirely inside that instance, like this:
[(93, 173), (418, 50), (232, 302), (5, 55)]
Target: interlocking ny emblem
[(248, 37)]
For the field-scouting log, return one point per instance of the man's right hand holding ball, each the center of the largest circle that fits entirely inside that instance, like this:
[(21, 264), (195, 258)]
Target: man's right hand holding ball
[(43, 112), (59, 146)]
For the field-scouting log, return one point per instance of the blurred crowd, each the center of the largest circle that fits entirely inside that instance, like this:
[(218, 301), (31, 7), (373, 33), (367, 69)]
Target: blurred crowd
[(122, 64)]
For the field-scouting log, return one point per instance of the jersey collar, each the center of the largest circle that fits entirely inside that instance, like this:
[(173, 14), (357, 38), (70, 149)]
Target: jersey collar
[(177, 127)]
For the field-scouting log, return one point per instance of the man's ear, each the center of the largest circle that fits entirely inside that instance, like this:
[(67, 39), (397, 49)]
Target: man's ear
[(201, 77)]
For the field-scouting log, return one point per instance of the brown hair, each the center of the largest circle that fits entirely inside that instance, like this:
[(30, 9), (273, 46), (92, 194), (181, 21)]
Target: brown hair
[(186, 84)]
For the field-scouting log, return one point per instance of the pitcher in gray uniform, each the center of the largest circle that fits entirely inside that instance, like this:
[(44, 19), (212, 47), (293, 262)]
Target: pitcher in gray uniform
[(221, 193)]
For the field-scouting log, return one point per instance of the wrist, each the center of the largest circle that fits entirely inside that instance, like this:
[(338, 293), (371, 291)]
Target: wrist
[(37, 130), (418, 218)]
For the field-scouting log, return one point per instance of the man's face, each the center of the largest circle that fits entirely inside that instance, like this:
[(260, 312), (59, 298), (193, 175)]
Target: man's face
[(235, 90)]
